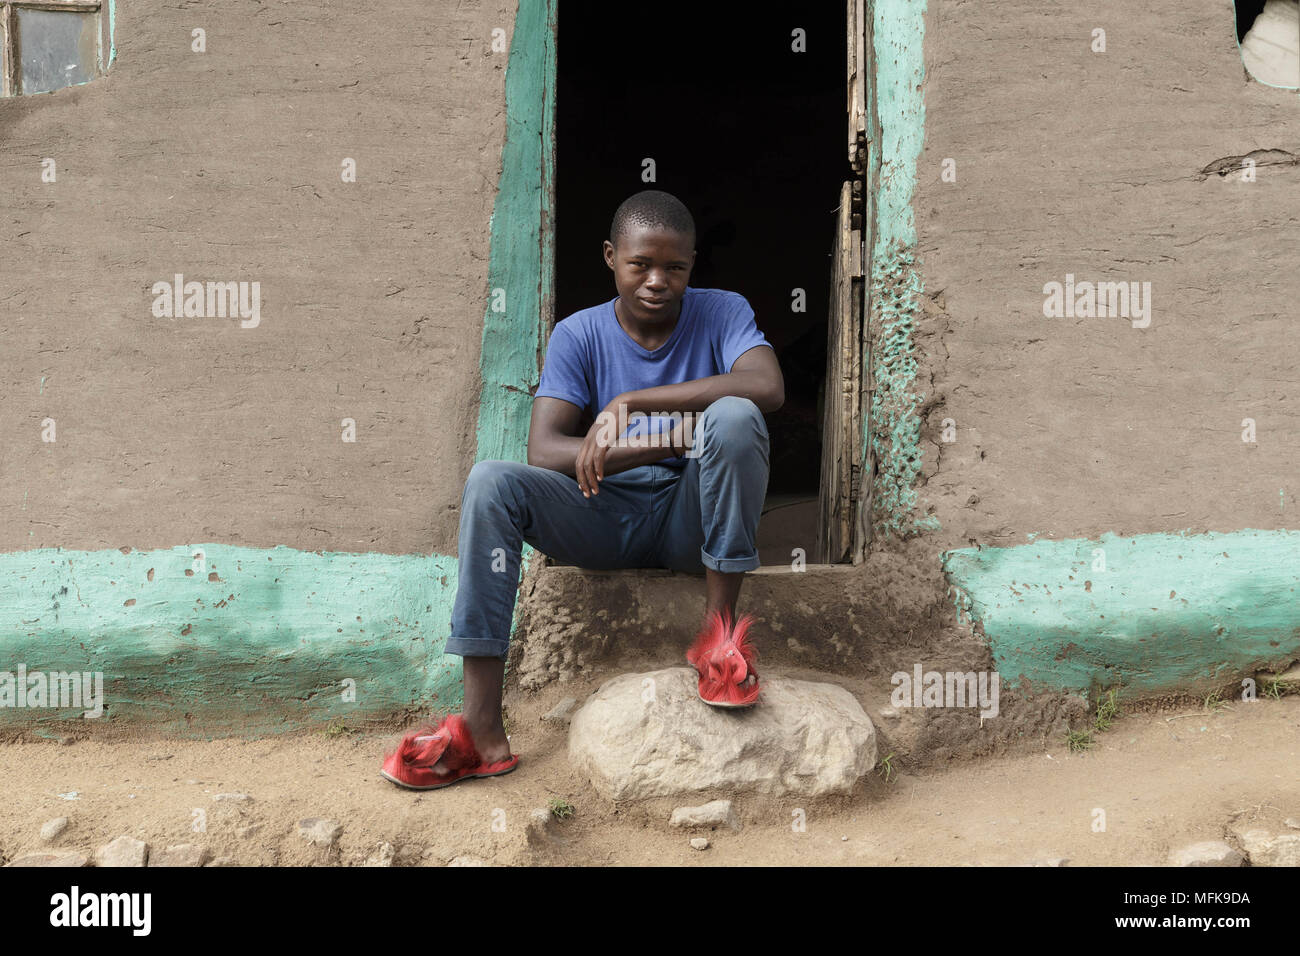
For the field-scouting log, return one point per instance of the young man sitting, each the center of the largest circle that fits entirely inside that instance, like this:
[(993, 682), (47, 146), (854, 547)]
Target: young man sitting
[(656, 494)]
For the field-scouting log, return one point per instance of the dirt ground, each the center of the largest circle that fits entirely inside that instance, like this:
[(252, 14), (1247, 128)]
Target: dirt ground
[(1163, 779)]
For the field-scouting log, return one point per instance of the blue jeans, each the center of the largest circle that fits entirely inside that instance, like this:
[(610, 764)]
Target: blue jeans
[(703, 515)]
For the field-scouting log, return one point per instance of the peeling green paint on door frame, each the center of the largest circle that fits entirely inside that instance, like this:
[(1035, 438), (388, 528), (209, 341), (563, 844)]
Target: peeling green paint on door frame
[(520, 273), (896, 116)]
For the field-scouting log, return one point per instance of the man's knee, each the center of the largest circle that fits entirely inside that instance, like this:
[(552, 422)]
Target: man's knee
[(733, 419), (489, 479)]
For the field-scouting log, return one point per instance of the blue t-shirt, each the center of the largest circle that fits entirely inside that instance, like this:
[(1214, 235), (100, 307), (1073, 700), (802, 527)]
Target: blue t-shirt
[(590, 359)]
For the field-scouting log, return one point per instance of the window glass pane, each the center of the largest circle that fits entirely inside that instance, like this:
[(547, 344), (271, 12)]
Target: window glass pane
[(56, 48)]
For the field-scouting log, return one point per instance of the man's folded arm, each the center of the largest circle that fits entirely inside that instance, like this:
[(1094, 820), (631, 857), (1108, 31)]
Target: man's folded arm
[(552, 443), (755, 375)]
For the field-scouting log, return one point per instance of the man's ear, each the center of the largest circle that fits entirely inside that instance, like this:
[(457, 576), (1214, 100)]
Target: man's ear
[(608, 249)]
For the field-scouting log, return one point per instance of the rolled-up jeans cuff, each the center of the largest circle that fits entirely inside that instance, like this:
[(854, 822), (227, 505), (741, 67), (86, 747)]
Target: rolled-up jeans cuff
[(728, 565), (476, 647)]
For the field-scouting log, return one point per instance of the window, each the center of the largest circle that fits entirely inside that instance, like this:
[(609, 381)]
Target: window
[(49, 44)]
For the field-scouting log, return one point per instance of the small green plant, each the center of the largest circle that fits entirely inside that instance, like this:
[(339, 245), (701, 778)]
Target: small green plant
[(1277, 689), (1214, 703), (1107, 710), (886, 768), (561, 809), (1078, 740), (338, 729)]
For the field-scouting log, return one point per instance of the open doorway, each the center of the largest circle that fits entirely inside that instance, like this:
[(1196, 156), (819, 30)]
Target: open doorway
[(749, 133)]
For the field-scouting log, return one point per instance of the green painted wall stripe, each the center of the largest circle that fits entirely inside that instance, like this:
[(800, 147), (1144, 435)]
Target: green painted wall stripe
[(892, 429), (1170, 611), (253, 639), (521, 266), (519, 270)]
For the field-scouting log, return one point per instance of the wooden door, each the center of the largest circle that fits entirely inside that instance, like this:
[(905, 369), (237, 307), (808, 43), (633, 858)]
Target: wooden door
[(843, 500), (841, 419)]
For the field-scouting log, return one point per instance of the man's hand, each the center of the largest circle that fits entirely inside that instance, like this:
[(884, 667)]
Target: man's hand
[(553, 444), (589, 466)]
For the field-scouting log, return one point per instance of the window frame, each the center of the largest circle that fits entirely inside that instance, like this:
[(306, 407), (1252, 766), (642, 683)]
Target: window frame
[(10, 47)]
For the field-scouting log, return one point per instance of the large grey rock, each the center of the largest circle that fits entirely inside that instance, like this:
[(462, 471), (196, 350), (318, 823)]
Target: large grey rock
[(124, 851), (649, 735), (1265, 849), (1208, 853)]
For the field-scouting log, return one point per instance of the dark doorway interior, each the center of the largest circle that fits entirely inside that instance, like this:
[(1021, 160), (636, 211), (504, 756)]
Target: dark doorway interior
[(750, 135)]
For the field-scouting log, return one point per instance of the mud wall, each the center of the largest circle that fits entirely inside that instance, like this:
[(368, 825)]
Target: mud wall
[(227, 165), (199, 529), (1108, 490), (1083, 163)]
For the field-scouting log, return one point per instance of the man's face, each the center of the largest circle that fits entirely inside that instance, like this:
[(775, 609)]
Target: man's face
[(651, 268)]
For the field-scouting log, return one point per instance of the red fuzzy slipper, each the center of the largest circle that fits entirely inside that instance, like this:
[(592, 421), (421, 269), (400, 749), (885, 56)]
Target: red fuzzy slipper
[(725, 660), (411, 765)]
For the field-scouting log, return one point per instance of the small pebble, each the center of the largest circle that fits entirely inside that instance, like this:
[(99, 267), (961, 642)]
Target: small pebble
[(51, 829), (700, 843), (320, 832)]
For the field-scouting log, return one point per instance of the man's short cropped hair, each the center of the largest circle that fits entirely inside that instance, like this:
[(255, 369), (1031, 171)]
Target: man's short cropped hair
[(655, 209)]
